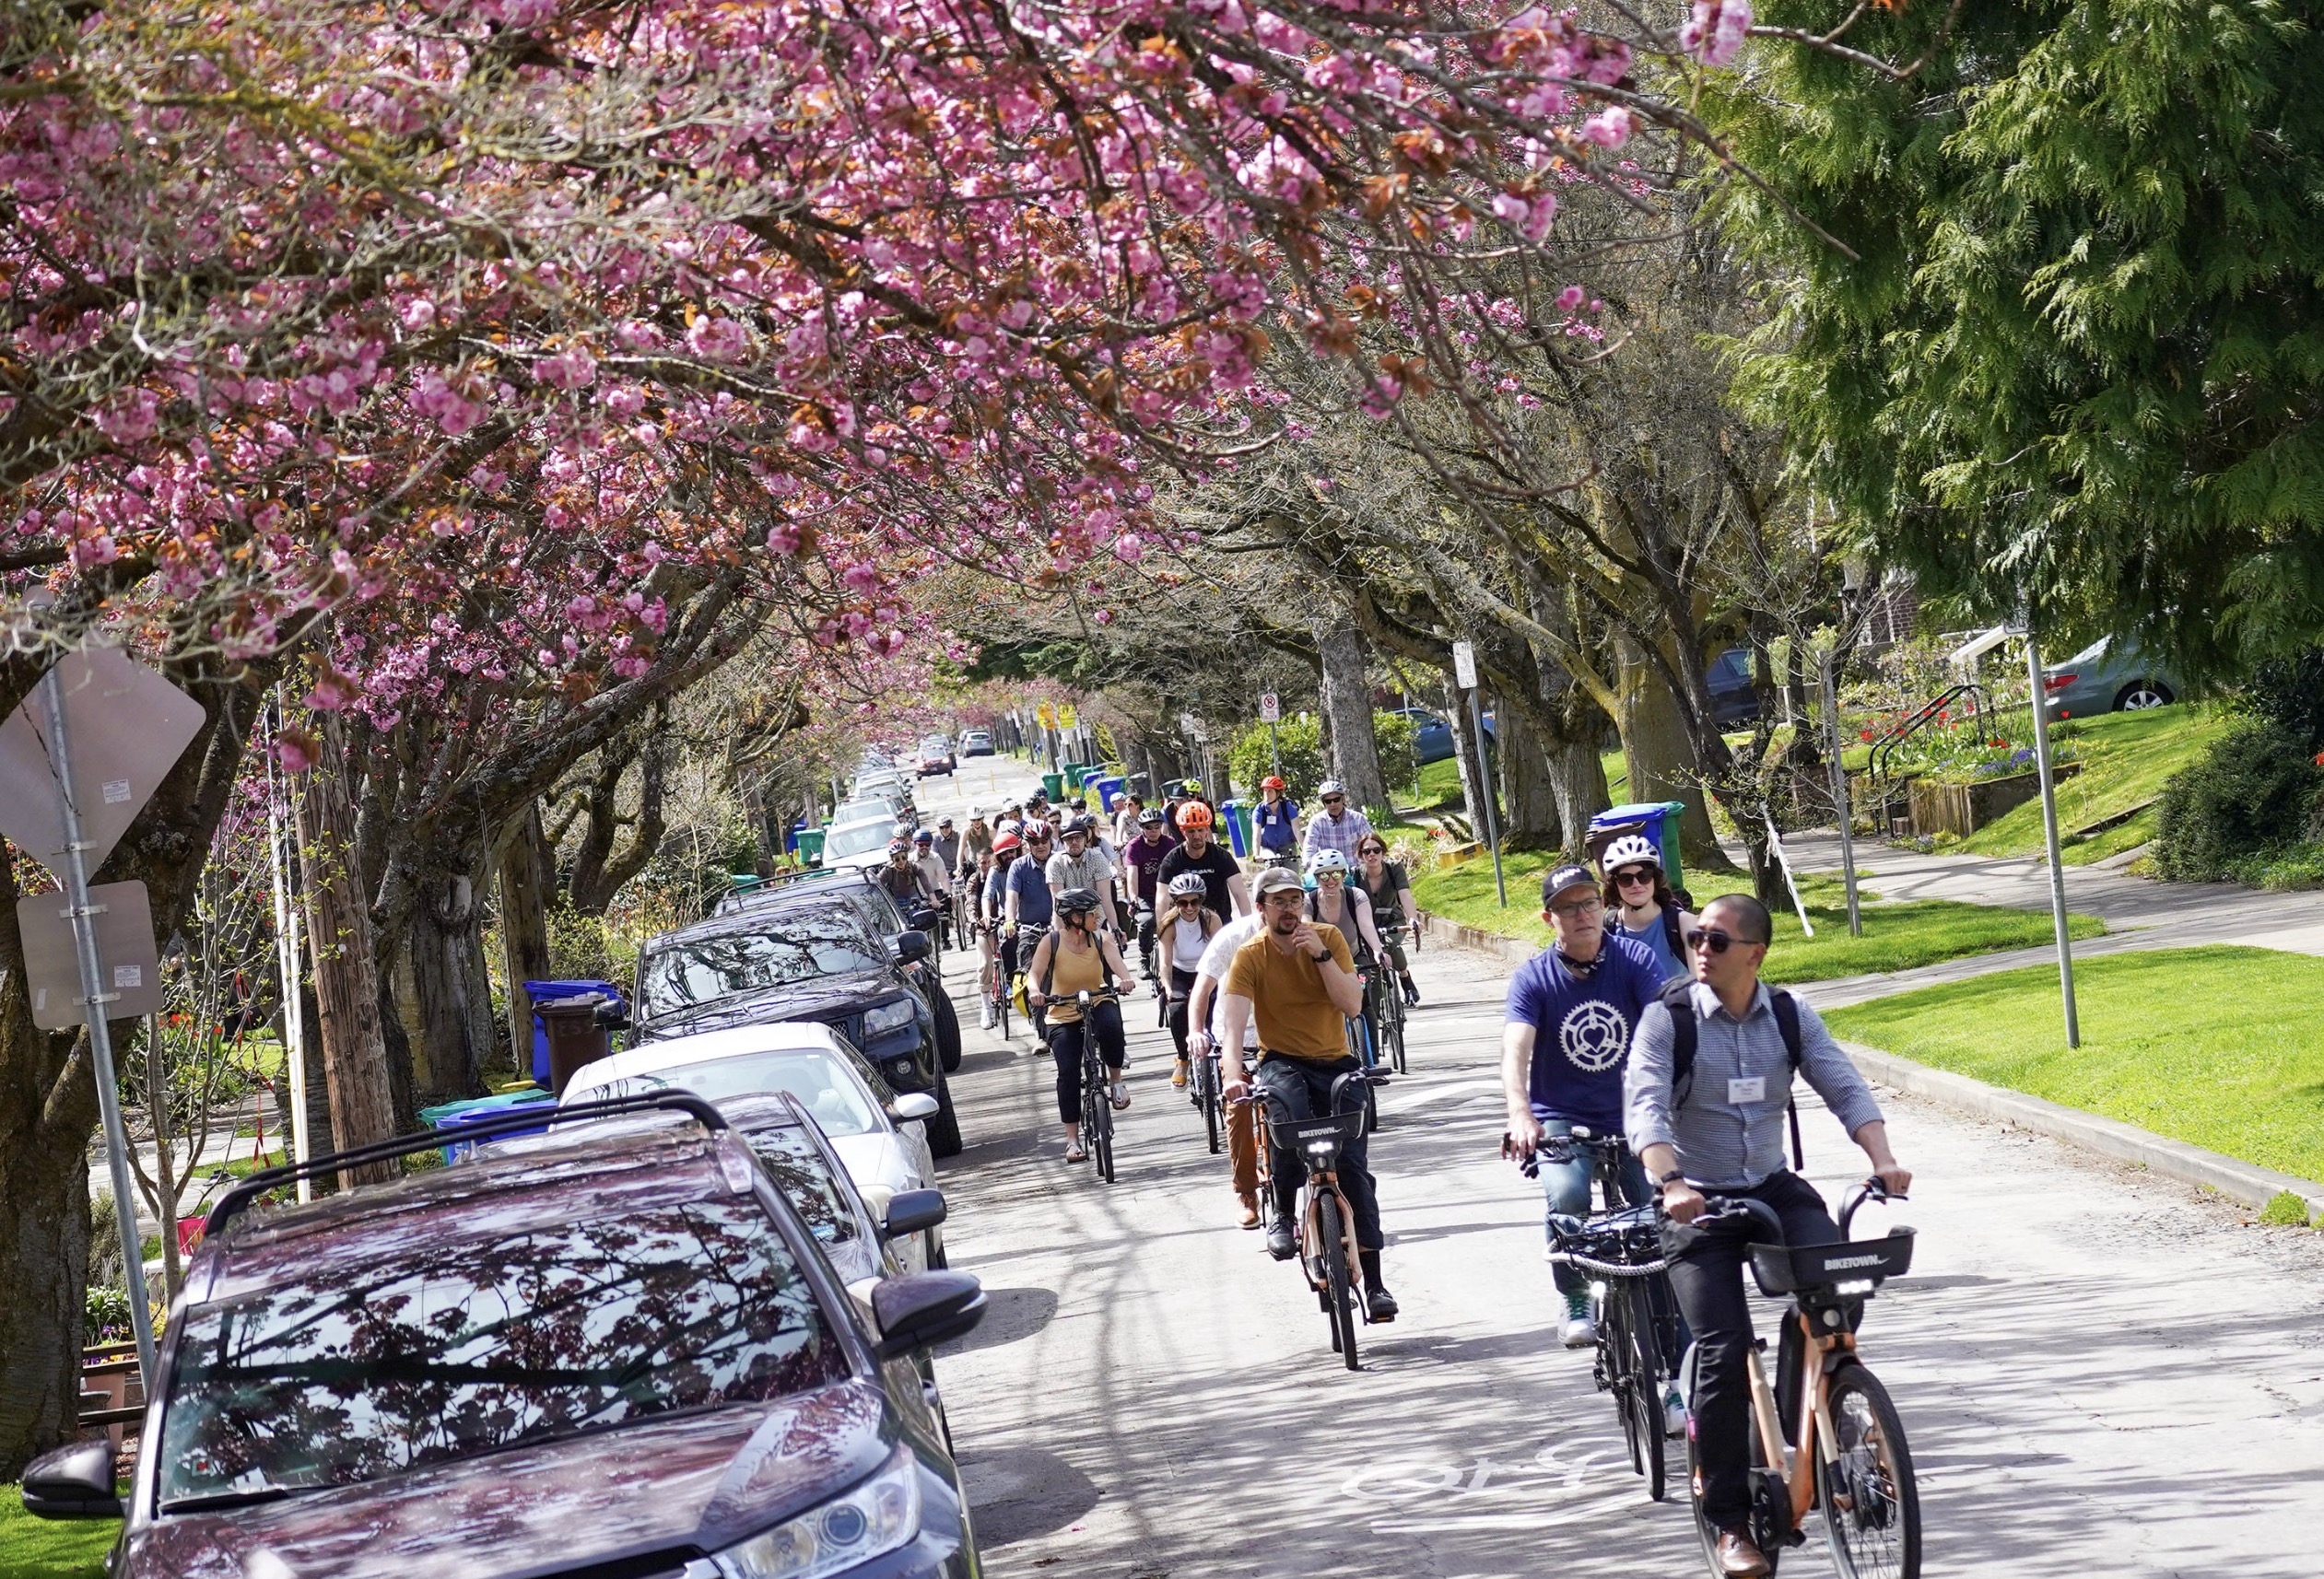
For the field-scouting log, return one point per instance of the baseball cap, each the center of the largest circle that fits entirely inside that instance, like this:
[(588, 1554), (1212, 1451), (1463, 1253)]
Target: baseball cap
[(1561, 878), (1275, 878)]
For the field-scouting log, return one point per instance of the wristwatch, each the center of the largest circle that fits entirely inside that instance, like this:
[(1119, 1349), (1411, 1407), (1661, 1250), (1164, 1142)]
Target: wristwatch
[(1673, 1177)]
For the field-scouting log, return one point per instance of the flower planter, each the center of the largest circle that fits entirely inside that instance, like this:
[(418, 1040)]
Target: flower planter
[(1962, 809)]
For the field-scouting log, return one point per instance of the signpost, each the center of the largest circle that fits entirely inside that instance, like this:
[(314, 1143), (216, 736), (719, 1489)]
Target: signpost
[(79, 761), (1270, 714), (1846, 812), (2038, 699), (1464, 672)]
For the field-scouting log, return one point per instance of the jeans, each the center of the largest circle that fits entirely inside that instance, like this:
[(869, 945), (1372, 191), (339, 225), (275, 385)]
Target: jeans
[(1707, 1273), (1182, 984), (1297, 1089), (1104, 1022)]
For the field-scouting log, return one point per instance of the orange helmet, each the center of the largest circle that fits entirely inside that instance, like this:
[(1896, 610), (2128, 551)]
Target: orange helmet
[(1271, 783), (1194, 814)]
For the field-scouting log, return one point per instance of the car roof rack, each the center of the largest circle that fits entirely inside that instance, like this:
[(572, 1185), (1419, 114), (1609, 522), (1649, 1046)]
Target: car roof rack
[(524, 1117)]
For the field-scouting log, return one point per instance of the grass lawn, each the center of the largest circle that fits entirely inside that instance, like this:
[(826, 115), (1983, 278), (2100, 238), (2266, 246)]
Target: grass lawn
[(51, 1549), (1897, 937), (2125, 757), (2216, 1046)]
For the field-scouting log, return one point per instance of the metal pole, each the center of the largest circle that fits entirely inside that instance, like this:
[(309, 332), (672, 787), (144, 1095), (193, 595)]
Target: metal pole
[(1839, 797), (1275, 748), (2038, 702), (101, 1042), (286, 961), (1484, 793)]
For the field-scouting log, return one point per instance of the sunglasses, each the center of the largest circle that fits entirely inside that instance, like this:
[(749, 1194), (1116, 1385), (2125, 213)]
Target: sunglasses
[(1720, 941), (1188, 899), (1635, 874), (1335, 799)]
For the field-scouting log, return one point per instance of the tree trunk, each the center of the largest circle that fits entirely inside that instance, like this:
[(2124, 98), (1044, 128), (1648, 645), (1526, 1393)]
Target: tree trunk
[(1577, 783), (1529, 799), (1346, 705), (455, 994), (527, 881), (1661, 758), (345, 975), (1464, 754)]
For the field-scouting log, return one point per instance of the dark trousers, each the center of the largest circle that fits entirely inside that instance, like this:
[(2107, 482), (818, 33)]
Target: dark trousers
[(1103, 1021), (1296, 1088), (1182, 984), (1707, 1273)]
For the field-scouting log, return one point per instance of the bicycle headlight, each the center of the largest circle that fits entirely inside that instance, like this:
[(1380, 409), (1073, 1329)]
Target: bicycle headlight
[(886, 1017), (878, 1516)]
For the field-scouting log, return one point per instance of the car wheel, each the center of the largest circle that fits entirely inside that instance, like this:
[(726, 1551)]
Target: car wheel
[(943, 1130), (947, 1027), (2140, 695), (936, 1260)]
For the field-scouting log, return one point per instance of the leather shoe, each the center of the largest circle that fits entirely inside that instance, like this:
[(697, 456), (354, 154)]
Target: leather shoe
[(1738, 1558), (1380, 1303), (1249, 1218), (1280, 1243)]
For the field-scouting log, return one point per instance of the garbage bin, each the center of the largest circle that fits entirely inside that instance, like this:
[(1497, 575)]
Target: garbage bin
[(544, 994), (1074, 773), (1142, 786), (1109, 791), (1237, 817), (810, 846), (1657, 820), (449, 1118), (1054, 786), (790, 841)]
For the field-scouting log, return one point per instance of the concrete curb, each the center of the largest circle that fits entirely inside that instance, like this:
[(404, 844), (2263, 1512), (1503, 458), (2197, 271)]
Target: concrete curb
[(2246, 1182)]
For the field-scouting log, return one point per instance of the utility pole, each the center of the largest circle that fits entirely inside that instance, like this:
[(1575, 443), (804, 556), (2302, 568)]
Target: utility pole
[(1846, 812), (2039, 700), (1464, 671)]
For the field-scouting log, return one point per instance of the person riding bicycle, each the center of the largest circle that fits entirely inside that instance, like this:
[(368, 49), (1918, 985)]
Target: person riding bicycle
[(1640, 904), (903, 879), (946, 845), (1081, 865), (1340, 826), (991, 915), (1718, 1129), (1297, 980), (1565, 1032), (1393, 906), (1206, 1030), (1182, 932), (975, 840), (933, 869), (1224, 890), (1142, 860), (1026, 894), (1073, 959), (1126, 813), (1274, 823), (1341, 901)]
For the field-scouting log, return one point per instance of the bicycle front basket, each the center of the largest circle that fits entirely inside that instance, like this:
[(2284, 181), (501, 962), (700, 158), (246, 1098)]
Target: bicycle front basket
[(1314, 1138), (1782, 1270)]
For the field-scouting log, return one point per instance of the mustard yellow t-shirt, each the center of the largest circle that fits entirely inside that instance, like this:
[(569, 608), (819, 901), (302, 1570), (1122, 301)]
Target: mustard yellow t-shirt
[(1296, 1015)]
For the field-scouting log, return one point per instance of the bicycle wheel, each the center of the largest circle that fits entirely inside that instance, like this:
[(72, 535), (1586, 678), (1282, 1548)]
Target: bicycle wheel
[(1096, 1103), (1342, 1298), (1206, 1090), (1872, 1504), (1393, 1029), (1644, 1421)]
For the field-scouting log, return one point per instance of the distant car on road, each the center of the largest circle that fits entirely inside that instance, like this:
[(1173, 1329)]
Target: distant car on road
[(633, 1338), (976, 742), (935, 756), (2108, 676), (1732, 699)]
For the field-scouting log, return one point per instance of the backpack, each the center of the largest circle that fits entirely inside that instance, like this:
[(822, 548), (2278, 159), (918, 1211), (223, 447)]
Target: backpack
[(1678, 996)]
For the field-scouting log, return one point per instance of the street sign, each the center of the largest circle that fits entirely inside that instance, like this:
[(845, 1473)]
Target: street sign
[(1046, 716), (1464, 664), (128, 727), (1187, 725), (1064, 715), (132, 977), (1270, 709)]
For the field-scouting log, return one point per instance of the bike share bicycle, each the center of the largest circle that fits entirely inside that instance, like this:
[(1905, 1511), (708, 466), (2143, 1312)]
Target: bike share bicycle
[(1324, 1224), (1386, 1007)]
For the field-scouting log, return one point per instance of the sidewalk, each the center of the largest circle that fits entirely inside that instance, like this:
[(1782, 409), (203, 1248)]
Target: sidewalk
[(2140, 912)]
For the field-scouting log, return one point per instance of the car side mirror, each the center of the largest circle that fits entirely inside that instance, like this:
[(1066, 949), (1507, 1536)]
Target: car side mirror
[(911, 947), (921, 1310), (77, 1482), (913, 1212), (915, 1105), (613, 1016), (924, 919)]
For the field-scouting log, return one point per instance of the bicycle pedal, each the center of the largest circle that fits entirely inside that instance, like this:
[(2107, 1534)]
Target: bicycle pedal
[(1376, 1077)]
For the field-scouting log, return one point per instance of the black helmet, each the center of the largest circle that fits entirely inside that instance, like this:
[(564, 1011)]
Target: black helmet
[(1077, 901), (1079, 826)]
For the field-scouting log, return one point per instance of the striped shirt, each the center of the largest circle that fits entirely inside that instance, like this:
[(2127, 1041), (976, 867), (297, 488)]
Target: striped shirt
[(1726, 1137), (1342, 833)]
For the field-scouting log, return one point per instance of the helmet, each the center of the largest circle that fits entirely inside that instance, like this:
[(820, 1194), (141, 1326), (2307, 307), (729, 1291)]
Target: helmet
[(897, 847), (1329, 787), (976, 813), (1187, 883), (1079, 826), (1271, 783), (1191, 786), (924, 836), (1152, 817), (1325, 860), (1628, 850), (1007, 842), (1194, 814), (1076, 902)]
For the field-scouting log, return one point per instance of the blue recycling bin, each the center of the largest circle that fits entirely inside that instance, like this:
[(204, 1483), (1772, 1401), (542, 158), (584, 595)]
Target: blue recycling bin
[(550, 991), (1657, 820), (450, 1119), (1109, 791), (791, 840), (1237, 816)]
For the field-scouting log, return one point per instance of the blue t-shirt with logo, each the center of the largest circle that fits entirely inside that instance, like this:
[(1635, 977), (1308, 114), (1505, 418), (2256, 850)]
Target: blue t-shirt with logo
[(1582, 1029), (1272, 824)]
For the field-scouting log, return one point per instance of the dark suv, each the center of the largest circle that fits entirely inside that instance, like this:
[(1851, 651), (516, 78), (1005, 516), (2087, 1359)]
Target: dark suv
[(621, 1355), (815, 959)]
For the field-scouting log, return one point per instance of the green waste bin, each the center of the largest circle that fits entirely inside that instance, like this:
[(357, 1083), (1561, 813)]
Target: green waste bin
[(1054, 786), (810, 847), (1074, 771)]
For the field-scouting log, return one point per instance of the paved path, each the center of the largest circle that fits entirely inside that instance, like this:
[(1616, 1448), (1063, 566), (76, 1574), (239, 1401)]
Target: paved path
[(2140, 912), (2102, 1373)]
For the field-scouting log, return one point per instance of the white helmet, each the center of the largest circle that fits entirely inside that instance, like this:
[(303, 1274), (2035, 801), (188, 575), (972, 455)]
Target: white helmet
[(1008, 825), (1190, 882), (1325, 860), (1329, 787), (1627, 850)]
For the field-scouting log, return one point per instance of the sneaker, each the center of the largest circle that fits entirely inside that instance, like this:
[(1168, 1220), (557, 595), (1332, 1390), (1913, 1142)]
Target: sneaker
[(1412, 993), (1581, 1328), (1673, 1412), (987, 1018), (1280, 1243), (1379, 1303), (1177, 1075)]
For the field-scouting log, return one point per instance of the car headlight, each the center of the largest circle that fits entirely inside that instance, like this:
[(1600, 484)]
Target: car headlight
[(878, 1516), (888, 1017)]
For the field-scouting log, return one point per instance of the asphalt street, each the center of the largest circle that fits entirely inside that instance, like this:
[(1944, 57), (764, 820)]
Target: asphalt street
[(2100, 1373)]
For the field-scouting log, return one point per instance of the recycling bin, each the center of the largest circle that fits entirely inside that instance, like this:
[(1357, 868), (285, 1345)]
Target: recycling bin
[(1054, 786), (1109, 791), (810, 846), (450, 1117), (546, 994), (1657, 820), (1238, 819)]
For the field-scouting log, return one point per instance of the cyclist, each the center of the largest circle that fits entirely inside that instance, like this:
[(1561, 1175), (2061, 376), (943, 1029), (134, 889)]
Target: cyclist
[(1340, 827), (1081, 866), (1720, 1129), (933, 869), (1640, 904), (1029, 899), (1126, 817), (1073, 959), (1180, 934), (905, 883), (1342, 903), (1297, 980), (1274, 823), (1571, 1011), (992, 913), (1393, 906), (1206, 1020), (1142, 865), (1225, 890), (947, 847), (975, 840)]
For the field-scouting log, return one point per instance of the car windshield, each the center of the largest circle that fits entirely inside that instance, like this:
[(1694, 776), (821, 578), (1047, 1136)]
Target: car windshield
[(828, 1087), (862, 811), (688, 974), (451, 1350), (806, 1181), (860, 839)]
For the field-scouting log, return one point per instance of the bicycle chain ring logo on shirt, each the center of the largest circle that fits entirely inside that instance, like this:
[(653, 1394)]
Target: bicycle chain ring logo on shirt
[(1594, 1036)]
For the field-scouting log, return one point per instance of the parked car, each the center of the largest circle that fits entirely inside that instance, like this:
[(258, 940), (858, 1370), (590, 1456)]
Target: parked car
[(631, 1340), (886, 918), (1732, 699), (1432, 737), (2108, 676), (976, 742), (861, 843), (878, 1134), (816, 959), (935, 756)]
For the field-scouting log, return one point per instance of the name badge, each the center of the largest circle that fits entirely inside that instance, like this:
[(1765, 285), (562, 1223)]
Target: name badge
[(1753, 1090)]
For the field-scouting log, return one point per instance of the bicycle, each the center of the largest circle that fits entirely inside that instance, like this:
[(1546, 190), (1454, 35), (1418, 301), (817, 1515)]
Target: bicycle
[(1360, 1049), (1328, 1253), (1096, 1086), (1206, 1096), (1849, 1458), (1028, 938), (1620, 1249), (1390, 1010), (996, 982)]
